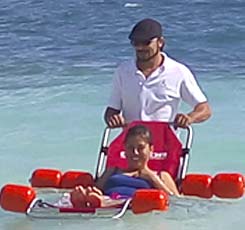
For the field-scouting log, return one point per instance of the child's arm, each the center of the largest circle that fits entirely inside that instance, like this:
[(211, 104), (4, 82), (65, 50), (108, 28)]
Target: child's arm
[(166, 183), (168, 180), (101, 181)]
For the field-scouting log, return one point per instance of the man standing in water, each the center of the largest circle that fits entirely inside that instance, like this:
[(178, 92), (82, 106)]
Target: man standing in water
[(151, 87)]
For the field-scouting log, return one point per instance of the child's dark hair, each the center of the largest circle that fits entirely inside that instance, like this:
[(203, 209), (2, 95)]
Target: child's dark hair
[(139, 130)]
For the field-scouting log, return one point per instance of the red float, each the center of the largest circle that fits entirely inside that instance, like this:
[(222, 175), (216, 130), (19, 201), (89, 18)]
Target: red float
[(146, 200), (228, 185), (16, 198), (46, 178), (197, 185), (72, 179)]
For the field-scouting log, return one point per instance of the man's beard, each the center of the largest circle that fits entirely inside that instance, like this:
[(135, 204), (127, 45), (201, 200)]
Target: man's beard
[(147, 58)]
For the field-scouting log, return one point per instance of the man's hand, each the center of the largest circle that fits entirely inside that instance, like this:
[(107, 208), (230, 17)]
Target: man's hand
[(200, 113), (182, 120), (116, 120), (113, 118)]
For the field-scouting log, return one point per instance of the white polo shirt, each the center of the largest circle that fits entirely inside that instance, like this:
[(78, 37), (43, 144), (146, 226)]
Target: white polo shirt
[(156, 97)]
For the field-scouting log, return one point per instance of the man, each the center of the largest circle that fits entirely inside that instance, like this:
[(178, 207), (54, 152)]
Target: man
[(152, 86)]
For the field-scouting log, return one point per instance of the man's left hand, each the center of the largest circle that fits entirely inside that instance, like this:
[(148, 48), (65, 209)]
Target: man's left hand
[(182, 120)]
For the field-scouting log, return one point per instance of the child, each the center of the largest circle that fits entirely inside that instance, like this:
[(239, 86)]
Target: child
[(117, 183)]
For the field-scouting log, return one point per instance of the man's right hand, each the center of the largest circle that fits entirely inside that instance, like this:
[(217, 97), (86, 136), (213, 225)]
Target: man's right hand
[(113, 118), (116, 120)]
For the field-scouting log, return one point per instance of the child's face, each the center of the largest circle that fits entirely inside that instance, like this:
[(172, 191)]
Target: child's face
[(137, 151)]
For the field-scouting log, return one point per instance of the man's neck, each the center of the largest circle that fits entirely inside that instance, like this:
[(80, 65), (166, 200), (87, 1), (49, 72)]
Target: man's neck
[(150, 66)]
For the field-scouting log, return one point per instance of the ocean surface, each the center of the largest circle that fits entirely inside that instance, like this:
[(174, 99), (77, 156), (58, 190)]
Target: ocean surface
[(57, 60)]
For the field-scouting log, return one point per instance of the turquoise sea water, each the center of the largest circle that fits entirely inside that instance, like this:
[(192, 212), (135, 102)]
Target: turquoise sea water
[(56, 64)]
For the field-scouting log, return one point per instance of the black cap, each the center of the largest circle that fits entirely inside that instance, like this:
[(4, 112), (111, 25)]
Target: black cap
[(146, 30)]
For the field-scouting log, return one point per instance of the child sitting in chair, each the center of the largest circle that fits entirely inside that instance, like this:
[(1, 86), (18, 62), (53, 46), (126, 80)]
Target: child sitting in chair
[(117, 183)]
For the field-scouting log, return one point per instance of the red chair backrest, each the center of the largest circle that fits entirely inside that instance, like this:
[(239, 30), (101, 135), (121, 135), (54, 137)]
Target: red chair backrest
[(167, 148)]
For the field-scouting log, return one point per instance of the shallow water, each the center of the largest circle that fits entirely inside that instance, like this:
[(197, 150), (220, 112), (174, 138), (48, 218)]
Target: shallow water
[(56, 63)]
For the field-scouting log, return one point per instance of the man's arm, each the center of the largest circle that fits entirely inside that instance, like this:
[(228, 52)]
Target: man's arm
[(113, 118), (200, 113)]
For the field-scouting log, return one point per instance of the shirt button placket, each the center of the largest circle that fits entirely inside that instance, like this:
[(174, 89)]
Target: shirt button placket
[(142, 99)]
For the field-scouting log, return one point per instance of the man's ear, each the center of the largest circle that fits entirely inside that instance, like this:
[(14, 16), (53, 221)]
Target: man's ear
[(161, 42)]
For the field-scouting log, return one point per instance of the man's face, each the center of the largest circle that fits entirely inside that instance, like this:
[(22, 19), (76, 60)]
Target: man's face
[(147, 50)]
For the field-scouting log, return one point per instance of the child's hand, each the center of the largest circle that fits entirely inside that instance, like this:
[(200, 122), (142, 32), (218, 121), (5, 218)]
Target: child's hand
[(146, 173)]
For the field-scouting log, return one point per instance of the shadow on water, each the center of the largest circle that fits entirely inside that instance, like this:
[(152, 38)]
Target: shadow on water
[(188, 213)]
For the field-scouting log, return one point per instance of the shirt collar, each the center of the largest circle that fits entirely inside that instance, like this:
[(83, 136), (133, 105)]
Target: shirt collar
[(160, 68)]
